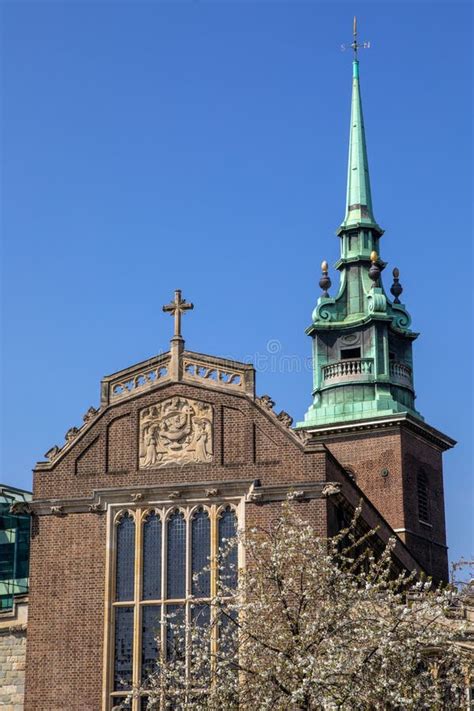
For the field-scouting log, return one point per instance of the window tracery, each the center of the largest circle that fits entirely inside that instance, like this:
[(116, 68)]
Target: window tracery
[(163, 564)]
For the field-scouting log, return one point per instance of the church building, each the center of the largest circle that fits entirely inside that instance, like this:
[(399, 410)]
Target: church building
[(181, 452)]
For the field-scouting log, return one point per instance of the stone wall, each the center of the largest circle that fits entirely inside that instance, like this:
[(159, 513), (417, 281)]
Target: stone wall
[(12, 657)]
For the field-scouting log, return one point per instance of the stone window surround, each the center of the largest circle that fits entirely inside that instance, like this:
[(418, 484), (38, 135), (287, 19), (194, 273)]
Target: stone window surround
[(139, 509)]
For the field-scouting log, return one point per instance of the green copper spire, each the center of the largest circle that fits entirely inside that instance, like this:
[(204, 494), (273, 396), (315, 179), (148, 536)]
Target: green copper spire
[(359, 197), (359, 209), (362, 342)]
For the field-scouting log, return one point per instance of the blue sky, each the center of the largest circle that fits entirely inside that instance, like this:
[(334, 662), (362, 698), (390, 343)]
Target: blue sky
[(150, 146)]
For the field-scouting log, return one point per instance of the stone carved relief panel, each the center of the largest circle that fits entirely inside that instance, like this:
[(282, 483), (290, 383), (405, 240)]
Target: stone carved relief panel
[(176, 431)]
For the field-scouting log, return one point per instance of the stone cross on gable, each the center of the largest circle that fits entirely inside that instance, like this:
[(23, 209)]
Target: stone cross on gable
[(177, 307)]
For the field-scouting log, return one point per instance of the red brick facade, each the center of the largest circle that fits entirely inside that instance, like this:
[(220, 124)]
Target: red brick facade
[(65, 651)]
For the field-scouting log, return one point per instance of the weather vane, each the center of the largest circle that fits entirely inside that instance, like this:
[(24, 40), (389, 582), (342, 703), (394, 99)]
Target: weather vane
[(354, 44)]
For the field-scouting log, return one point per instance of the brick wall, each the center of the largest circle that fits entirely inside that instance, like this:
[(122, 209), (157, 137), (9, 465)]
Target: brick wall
[(366, 455), (65, 626), (314, 511), (427, 541), (247, 444), (386, 464)]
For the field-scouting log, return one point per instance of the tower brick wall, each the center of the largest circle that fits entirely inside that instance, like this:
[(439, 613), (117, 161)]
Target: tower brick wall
[(386, 463)]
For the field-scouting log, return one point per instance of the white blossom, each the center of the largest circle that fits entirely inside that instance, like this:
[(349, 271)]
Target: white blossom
[(316, 624)]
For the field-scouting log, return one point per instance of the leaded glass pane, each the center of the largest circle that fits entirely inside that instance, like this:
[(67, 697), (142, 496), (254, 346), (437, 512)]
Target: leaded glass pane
[(228, 633), (124, 576), (123, 648), (147, 704), (152, 558), (175, 632), (229, 560), (151, 631), (176, 573), (200, 552), (201, 640), (201, 615)]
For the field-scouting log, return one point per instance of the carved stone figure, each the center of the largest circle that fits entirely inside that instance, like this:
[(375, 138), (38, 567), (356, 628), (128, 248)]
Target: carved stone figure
[(176, 431), (331, 489), (266, 402), (285, 418), (96, 508), (303, 435), (90, 414), (297, 495), (53, 452), (71, 434), (254, 496)]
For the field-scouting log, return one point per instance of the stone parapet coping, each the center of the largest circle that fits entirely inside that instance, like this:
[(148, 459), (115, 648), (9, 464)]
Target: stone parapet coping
[(327, 432), (15, 619)]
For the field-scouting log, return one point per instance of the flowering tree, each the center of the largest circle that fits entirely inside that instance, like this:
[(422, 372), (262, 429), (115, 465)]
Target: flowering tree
[(313, 623)]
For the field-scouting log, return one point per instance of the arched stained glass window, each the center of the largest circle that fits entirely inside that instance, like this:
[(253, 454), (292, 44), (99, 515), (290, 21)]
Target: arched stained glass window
[(154, 543), (152, 557), (176, 556), (125, 562), (200, 553), (228, 562)]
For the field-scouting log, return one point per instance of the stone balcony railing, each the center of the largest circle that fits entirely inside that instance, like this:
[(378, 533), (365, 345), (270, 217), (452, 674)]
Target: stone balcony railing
[(401, 374), (362, 370), (348, 370)]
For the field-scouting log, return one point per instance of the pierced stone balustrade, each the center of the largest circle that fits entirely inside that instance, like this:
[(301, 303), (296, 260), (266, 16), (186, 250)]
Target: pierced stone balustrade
[(401, 374), (218, 372), (188, 367), (348, 370), (136, 379)]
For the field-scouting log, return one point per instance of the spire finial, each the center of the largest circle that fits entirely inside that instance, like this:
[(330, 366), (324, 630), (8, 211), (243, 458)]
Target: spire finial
[(354, 41), (325, 281), (396, 288), (374, 271)]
